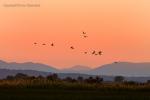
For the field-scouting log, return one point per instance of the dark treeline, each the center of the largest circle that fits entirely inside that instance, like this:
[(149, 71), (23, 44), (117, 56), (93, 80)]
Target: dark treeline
[(79, 79), (54, 77)]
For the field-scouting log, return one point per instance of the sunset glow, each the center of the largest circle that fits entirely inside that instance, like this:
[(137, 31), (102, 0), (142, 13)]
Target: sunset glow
[(120, 28)]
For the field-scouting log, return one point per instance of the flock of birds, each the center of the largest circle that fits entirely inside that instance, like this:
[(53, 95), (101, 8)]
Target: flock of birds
[(84, 34)]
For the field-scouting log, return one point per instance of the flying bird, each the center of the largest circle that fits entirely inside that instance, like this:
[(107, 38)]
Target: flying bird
[(52, 44), (85, 36), (115, 62), (93, 52), (72, 47), (85, 52), (100, 52), (83, 32), (35, 43)]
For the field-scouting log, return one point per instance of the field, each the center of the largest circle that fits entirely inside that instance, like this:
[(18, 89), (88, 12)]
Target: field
[(63, 94), (42, 89)]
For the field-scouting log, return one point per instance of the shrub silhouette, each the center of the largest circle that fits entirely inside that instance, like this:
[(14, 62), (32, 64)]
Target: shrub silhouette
[(97, 79)]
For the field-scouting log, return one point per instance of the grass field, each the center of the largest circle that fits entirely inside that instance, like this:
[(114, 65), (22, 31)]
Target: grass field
[(64, 94), (60, 90)]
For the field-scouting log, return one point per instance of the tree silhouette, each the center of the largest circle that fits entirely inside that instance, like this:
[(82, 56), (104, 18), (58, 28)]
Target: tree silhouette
[(69, 79), (40, 77), (52, 77), (89, 80), (21, 76), (148, 81), (99, 79), (80, 79), (9, 77), (119, 79)]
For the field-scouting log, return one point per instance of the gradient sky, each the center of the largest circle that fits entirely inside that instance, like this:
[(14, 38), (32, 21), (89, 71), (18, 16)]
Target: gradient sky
[(120, 28)]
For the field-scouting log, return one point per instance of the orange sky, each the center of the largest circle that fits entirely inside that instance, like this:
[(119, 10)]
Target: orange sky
[(118, 27)]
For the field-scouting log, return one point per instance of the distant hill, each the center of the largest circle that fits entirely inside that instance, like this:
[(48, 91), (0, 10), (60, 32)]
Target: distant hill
[(27, 66), (77, 69), (113, 69), (5, 72), (123, 68)]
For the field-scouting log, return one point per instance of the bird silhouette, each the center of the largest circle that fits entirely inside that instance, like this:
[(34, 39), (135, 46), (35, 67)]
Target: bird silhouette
[(85, 36), (100, 52), (93, 52), (85, 52), (72, 47), (115, 62), (43, 44), (35, 43), (83, 32), (52, 44)]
